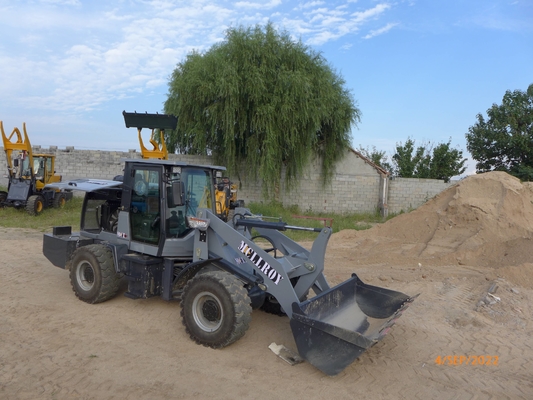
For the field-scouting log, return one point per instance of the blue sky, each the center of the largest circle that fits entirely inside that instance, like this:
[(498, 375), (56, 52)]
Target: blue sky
[(419, 69)]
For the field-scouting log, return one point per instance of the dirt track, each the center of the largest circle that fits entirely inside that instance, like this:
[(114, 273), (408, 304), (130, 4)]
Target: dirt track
[(53, 346)]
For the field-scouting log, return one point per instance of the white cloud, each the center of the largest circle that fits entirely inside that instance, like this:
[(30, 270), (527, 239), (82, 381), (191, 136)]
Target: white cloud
[(331, 24), (77, 58), (380, 31), (62, 2), (362, 16), (258, 5), (346, 46), (309, 4)]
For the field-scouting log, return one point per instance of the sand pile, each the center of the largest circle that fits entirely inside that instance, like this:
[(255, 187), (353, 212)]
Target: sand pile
[(483, 220)]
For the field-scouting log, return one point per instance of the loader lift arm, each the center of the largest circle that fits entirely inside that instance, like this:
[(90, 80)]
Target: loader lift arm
[(154, 122), (330, 329)]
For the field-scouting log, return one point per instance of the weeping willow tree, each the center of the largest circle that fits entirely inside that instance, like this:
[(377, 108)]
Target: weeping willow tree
[(260, 101)]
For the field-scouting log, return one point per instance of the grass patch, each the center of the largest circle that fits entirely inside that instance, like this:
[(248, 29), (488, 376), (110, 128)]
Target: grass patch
[(70, 216), (357, 221), (11, 217)]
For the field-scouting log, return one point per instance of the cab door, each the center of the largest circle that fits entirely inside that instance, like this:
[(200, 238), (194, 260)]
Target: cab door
[(145, 205)]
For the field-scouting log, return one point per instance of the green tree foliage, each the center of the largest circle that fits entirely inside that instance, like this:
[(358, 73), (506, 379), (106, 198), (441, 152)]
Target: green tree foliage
[(259, 101), (378, 157), (504, 142), (426, 161)]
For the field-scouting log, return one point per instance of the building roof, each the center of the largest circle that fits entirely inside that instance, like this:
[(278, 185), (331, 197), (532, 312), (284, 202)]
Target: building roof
[(370, 162)]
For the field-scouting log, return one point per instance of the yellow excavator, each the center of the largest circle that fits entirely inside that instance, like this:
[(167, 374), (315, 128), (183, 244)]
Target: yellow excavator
[(225, 191), (28, 173)]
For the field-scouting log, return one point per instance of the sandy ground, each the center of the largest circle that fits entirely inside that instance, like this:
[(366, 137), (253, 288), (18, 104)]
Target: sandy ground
[(472, 237)]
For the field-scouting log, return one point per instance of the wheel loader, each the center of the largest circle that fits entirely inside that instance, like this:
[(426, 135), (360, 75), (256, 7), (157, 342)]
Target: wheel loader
[(158, 230), (28, 175), (226, 198)]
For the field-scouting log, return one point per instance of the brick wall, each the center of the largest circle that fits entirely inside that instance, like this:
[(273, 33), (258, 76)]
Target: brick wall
[(406, 194), (346, 192), (354, 188)]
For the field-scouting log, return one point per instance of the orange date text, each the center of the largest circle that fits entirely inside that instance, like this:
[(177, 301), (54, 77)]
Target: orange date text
[(467, 360)]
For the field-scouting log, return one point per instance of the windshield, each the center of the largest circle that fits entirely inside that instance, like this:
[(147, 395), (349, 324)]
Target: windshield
[(38, 167), (198, 190), (198, 194)]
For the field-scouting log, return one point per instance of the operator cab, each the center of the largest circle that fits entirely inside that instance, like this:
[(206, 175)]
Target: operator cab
[(149, 209)]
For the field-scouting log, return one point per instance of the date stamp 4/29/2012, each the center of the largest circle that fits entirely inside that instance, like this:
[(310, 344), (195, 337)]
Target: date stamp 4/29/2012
[(467, 360)]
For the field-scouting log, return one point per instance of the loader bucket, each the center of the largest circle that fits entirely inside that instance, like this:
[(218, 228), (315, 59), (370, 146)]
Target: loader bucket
[(334, 328)]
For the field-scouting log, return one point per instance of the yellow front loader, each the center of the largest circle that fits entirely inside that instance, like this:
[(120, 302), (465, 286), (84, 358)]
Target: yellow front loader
[(28, 173)]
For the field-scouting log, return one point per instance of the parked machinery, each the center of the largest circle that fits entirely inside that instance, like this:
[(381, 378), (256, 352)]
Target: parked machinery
[(28, 174), (169, 242)]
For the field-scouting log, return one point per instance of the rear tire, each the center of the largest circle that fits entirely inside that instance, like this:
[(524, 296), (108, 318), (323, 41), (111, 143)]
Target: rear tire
[(60, 200), (3, 197), (35, 205), (92, 274), (215, 309)]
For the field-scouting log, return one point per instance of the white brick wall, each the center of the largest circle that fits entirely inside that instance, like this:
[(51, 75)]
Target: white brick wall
[(406, 194), (354, 188)]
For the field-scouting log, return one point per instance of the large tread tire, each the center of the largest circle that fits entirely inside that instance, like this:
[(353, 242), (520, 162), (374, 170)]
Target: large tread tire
[(60, 200), (215, 309), (35, 205), (3, 197), (92, 274)]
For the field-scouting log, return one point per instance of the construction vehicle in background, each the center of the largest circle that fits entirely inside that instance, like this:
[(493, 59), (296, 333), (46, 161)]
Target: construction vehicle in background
[(226, 198), (169, 242), (157, 123), (28, 175), (225, 191)]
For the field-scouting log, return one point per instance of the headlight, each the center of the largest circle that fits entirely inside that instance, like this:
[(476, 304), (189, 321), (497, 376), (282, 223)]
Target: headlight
[(198, 223)]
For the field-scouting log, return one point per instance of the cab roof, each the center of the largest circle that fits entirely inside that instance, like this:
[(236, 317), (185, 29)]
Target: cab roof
[(174, 163)]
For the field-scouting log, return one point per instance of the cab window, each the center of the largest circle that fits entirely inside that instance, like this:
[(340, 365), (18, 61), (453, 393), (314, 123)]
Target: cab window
[(198, 194), (145, 202)]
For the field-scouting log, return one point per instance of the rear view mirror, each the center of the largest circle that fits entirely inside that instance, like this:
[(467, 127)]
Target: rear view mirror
[(16, 162), (176, 195)]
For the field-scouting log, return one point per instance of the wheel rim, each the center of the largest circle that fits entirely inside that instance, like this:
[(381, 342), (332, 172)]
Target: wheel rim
[(85, 275), (38, 206), (62, 202), (207, 311)]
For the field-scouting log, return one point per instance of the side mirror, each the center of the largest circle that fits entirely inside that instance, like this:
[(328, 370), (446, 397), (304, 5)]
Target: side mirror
[(176, 195), (16, 162)]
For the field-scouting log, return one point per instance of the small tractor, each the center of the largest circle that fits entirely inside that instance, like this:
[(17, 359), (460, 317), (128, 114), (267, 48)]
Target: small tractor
[(158, 229), (28, 176)]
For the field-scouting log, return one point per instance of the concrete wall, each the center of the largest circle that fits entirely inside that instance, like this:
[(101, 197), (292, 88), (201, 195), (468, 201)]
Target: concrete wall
[(406, 194), (355, 187)]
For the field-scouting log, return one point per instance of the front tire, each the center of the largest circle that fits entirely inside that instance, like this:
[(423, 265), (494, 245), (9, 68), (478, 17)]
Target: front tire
[(92, 274), (215, 309)]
